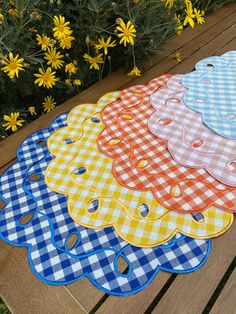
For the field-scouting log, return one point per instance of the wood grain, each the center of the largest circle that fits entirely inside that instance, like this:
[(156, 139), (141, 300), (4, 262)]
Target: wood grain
[(226, 303)]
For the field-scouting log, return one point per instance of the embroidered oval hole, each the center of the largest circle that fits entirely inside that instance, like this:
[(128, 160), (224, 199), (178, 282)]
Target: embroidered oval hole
[(93, 206), (232, 166), (42, 143), (197, 142), (230, 116), (211, 66), (198, 217), (137, 94), (114, 142), (144, 209), (95, 120), (122, 266), (34, 177), (206, 81), (68, 140), (80, 170), (176, 191), (72, 241), (127, 116), (2, 204), (176, 100), (164, 121), (199, 100), (25, 219), (142, 163)]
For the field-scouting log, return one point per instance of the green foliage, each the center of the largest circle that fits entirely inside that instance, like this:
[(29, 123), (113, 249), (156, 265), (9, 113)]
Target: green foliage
[(89, 20)]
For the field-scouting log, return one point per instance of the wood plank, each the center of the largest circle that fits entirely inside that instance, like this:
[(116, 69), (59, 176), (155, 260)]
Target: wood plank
[(209, 49), (226, 302), (193, 291), (24, 293), (110, 83)]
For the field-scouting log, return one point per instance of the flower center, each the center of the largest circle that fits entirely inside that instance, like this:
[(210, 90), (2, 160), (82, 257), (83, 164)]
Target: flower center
[(127, 32), (13, 65)]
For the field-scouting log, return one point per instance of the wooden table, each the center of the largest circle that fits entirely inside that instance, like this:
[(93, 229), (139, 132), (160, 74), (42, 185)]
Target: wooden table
[(210, 289)]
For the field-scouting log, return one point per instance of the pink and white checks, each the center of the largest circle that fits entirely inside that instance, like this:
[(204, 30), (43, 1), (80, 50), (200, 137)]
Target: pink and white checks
[(190, 142), (143, 162)]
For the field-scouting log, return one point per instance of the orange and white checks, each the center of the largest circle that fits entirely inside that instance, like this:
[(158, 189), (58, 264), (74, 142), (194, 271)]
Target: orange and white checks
[(84, 174), (142, 161)]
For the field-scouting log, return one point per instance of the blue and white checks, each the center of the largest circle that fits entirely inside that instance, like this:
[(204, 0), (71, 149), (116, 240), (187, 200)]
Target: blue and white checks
[(212, 92), (95, 254)]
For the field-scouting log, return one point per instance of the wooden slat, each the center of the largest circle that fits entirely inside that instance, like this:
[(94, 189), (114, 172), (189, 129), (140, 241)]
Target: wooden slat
[(226, 303), (24, 293), (113, 82), (209, 49), (193, 291)]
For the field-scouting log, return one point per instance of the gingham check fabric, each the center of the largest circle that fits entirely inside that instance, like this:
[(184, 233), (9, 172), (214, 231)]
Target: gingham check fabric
[(80, 171), (190, 142), (142, 161), (212, 92), (96, 252)]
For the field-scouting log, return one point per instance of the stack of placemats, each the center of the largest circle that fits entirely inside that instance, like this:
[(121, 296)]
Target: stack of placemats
[(135, 184)]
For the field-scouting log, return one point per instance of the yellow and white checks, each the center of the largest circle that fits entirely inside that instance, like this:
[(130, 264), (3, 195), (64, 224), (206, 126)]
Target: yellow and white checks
[(82, 172)]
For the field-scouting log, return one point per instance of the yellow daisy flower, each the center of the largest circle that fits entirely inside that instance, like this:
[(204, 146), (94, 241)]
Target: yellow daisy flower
[(169, 3), (12, 122), (54, 58), (48, 104), (43, 41), (70, 68), (65, 42), (13, 12), (1, 18), (12, 65), (46, 78), (199, 16), (179, 27), (127, 33), (104, 44), (68, 82), (135, 72), (94, 61), (61, 28), (189, 19), (77, 82)]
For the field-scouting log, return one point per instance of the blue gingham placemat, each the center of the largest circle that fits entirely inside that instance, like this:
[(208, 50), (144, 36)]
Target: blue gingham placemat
[(212, 92), (36, 217)]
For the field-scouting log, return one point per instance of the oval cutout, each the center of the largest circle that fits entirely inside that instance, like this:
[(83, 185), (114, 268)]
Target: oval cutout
[(42, 143), (198, 217), (79, 171), (210, 66), (197, 142), (175, 100), (176, 191), (122, 267), (164, 121), (93, 206), (95, 120), (206, 82), (68, 140), (35, 177), (230, 116), (144, 209), (114, 142), (138, 94), (232, 166), (142, 163), (72, 241), (127, 116), (26, 218), (2, 204)]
